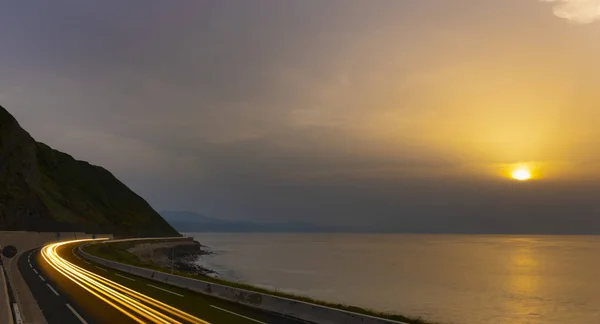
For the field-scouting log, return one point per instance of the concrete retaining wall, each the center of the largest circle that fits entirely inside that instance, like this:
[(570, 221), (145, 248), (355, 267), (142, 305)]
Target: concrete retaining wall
[(305, 311)]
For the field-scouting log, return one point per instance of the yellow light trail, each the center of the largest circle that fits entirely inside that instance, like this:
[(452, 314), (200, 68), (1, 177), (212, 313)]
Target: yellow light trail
[(133, 304)]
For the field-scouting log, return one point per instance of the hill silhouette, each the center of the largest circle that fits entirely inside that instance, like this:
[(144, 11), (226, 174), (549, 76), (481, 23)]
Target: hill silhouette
[(187, 221), (42, 189)]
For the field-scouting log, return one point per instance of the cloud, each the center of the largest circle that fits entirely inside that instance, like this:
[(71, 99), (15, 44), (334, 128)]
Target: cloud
[(578, 11), (367, 113)]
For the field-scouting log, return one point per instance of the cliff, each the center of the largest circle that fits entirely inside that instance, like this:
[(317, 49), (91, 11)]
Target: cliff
[(42, 189)]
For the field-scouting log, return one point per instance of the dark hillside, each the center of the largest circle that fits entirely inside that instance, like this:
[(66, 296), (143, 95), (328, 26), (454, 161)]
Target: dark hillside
[(42, 189)]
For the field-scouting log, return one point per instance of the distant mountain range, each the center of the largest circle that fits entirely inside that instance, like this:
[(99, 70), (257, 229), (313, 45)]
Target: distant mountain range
[(42, 189), (186, 221)]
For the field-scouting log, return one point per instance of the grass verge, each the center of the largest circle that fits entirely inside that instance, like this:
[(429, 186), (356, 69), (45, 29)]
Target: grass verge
[(118, 252)]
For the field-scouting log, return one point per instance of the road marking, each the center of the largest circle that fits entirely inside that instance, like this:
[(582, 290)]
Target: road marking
[(42, 278), (77, 314), (37, 273), (75, 254), (116, 274), (87, 262), (242, 316), (101, 268), (174, 293), (30, 265), (54, 291)]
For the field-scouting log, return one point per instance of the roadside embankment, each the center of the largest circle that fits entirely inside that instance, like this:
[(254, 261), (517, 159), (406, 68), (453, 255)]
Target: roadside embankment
[(176, 254), (119, 256)]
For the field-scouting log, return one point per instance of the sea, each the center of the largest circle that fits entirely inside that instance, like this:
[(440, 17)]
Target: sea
[(459, 279)]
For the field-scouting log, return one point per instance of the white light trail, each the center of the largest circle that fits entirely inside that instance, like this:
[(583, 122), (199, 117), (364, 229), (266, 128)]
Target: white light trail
[(137, 306)]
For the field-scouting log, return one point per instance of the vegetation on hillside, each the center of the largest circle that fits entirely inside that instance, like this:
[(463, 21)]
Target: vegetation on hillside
[(42, 189)]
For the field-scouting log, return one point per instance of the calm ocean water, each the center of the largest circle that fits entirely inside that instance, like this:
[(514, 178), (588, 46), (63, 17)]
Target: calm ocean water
[(462, 279)]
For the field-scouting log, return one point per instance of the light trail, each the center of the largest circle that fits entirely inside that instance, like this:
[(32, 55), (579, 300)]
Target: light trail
[(137, 306)]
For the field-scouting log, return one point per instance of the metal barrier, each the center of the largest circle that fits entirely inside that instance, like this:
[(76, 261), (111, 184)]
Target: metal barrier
[(289, 307), (5, 308)]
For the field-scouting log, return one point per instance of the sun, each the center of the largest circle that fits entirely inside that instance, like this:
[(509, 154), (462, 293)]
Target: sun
[(521, 174)]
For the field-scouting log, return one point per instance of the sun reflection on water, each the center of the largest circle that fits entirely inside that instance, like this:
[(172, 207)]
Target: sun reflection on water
[(524, 280)]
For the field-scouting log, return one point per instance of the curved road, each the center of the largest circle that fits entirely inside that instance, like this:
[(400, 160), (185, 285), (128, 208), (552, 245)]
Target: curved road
[(63, 301)]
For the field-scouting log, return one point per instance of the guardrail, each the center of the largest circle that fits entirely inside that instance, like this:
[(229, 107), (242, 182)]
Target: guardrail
[(289, 307), (18, 318), (6, 308)]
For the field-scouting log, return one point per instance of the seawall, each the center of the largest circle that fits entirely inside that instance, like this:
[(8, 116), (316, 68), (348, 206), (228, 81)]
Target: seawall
[(302, 310)]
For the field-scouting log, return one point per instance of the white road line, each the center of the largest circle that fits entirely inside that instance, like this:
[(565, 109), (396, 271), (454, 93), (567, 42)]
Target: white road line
[(37, 273), (87, 262), (42, 278), (174, 293), (242, 316), (54, 291), (116, 274), (77, 314), (101, 268)]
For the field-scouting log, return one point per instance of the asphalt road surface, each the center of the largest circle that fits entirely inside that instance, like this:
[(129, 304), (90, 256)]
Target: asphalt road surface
[(64, 301)]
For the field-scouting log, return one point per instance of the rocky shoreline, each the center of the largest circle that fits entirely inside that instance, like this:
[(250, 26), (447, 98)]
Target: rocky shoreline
[(181, 255)]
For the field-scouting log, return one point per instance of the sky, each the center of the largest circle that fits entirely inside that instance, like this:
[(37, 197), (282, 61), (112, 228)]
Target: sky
[(391, 115)]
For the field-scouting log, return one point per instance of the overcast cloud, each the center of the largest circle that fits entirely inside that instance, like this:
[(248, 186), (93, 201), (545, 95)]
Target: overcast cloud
[(392, 115)]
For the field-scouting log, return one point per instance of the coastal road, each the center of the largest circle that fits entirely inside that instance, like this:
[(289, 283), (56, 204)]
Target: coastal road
[(60, 299), (69, 290)]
